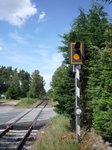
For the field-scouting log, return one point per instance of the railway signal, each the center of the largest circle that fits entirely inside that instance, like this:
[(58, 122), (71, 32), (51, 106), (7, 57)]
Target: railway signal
[(76, 58), (76, 53)]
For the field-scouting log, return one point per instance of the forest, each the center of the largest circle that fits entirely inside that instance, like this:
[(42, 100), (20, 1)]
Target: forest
[(16, 85)]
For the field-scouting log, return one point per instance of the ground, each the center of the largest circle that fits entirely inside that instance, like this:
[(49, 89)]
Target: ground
[(58, 128), (8, 111), (8, 114)]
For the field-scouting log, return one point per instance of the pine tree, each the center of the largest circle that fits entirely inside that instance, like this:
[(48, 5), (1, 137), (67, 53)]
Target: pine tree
[(109, 1), (5, 73), (37, 85), (96, 32), (24, 79), (63, 90), (102, 94), (13, 91)]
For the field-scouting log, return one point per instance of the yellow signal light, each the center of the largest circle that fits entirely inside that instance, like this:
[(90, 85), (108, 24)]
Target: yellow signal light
[(76, 56)]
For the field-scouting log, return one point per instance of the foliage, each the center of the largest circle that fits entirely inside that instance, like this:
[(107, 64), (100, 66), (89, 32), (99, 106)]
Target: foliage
[(95, 31), (109, 1), (37, 85), (49, 93), (27, 102), (57, 136), (14, 89), (5, 78), (102, 95), (24, 79), (17, 84), (63, 90)]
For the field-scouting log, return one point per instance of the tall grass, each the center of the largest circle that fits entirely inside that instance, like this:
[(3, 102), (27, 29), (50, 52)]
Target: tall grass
[(57, 136), (27, 102)]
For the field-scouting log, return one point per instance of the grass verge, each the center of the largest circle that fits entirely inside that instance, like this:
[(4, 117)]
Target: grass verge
[(2, 100), (27, 102), (57, 136)]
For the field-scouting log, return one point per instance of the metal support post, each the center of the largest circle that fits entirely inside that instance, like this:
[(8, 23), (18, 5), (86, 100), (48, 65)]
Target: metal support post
[(73, 68)]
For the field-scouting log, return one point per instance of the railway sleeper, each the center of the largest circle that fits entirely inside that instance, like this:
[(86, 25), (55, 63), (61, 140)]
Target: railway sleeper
[(14, 134), (7, 148), (12, 139), (19, 134), (18, 131), (8, 144)]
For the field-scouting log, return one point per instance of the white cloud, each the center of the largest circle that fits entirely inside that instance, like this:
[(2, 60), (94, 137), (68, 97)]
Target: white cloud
[(19, 39), (42, 17), (16, 12), (1, 48)]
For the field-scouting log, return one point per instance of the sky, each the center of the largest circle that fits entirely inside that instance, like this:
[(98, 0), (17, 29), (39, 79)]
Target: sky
[(30, 29)]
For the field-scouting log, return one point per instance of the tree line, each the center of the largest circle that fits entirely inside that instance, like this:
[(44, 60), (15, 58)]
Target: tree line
[(95, 30), (20, 84)]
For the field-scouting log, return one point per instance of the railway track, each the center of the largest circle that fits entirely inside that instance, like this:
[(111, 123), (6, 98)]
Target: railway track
[(15, 139)]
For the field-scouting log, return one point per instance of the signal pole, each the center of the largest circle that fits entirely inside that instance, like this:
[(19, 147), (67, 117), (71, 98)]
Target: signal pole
[(77, 105), (76, 58)]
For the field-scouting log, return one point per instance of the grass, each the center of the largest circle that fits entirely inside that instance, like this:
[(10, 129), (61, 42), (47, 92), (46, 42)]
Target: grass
[(3, 100), (53, 103), (57, 136), (27, 102)]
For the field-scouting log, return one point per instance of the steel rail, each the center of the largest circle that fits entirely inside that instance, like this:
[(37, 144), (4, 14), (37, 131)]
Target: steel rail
[(22, 142), (12, 124)]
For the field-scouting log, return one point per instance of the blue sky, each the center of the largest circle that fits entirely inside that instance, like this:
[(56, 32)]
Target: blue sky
[(29, 32)]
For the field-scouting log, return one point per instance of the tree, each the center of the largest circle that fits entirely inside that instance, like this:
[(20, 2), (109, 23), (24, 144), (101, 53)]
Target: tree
[(109, 1), (101, 93), (5, 78), (96, 32), (37, 85), (63, 90), (24, 79), (50, 93), (13, 91)]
